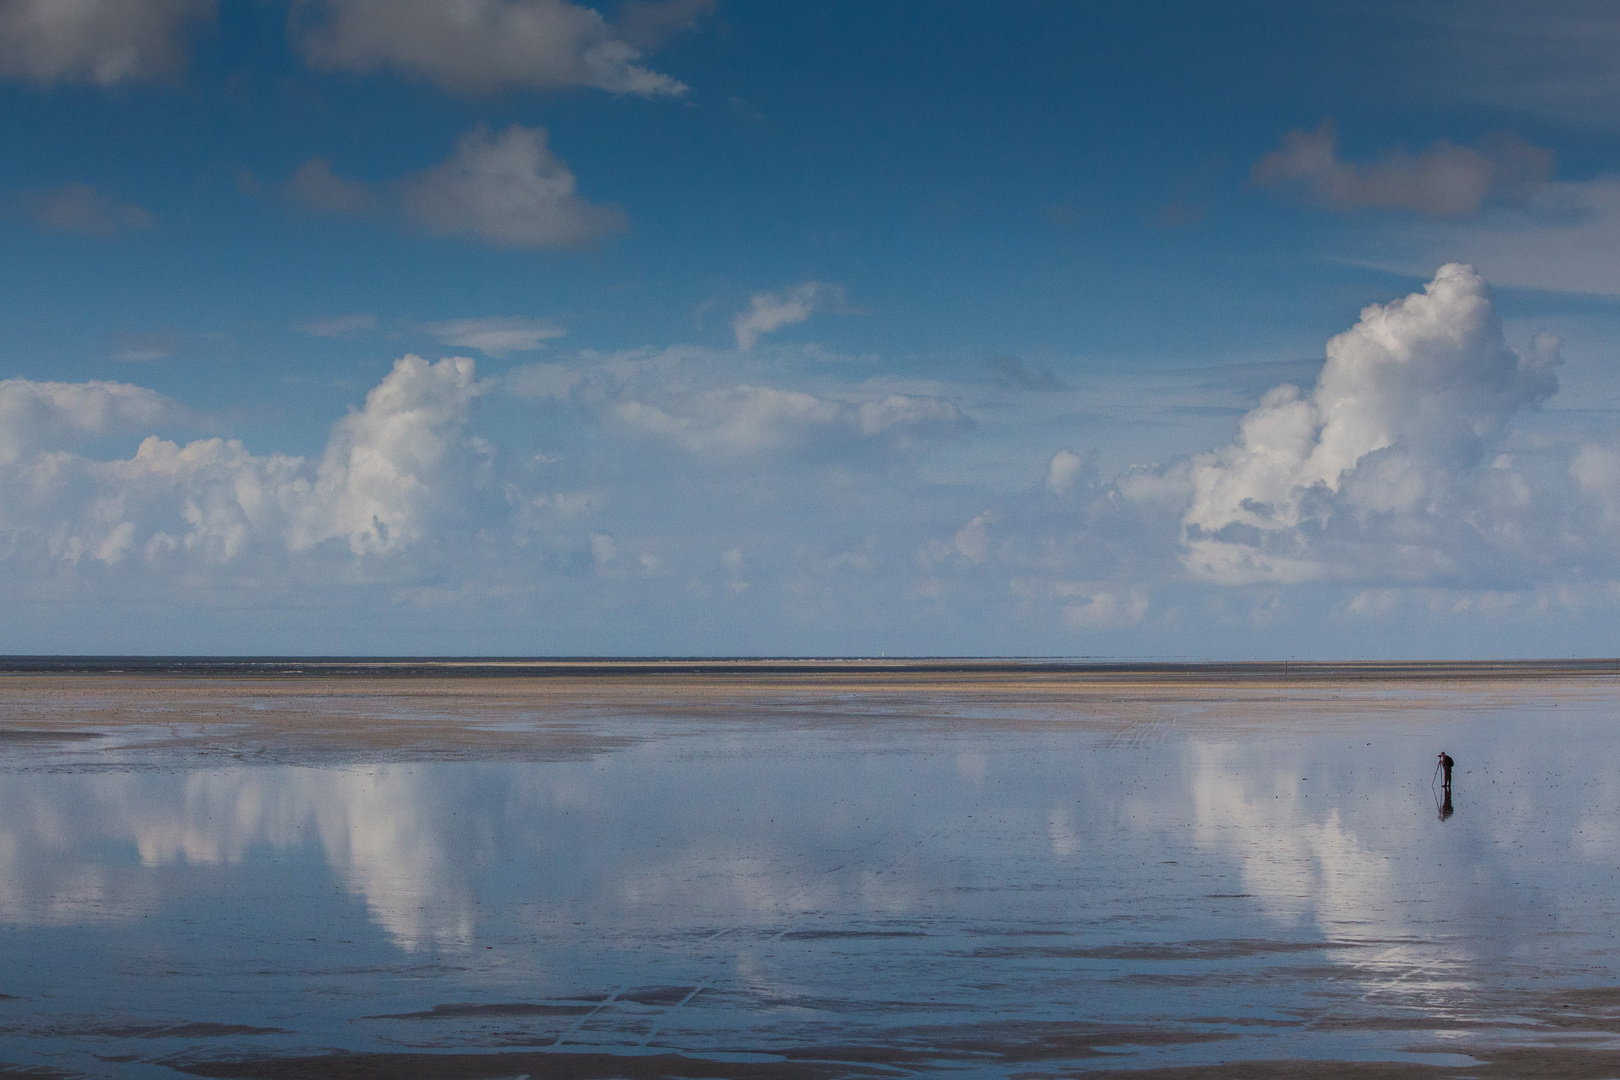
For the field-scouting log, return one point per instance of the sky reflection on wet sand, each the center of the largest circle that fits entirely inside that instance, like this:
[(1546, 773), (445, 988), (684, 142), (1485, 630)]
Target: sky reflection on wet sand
[(975, 896)]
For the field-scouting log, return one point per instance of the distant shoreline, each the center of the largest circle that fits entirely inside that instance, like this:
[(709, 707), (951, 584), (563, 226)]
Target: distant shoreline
[(742, 667)]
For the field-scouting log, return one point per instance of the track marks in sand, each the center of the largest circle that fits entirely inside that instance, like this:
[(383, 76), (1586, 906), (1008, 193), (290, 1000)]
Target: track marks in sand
[(1152, 731)]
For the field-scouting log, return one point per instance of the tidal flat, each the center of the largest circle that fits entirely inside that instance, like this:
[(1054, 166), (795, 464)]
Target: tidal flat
[(818, 870)]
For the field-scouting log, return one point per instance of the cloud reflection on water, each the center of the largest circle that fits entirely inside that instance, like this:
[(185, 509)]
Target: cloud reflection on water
[(1314, 838), (1299, 863), (387, 833), (1264, 887)]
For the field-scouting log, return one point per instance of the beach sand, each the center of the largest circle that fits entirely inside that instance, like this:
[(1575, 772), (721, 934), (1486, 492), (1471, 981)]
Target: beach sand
[(426, 714)]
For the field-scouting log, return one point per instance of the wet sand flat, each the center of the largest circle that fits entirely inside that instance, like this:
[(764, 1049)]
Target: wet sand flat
[(819, 870), (396, 710)]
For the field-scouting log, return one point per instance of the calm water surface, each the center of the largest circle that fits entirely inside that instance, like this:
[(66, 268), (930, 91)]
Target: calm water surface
[(993, 902)]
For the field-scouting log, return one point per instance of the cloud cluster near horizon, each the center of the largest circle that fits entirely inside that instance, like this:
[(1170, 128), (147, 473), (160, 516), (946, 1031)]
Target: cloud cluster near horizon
[(389, 470), (405, 474), (1387, 474)]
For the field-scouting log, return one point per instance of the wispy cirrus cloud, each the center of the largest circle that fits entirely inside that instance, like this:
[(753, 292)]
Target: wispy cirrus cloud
[(496, 336), (143, 348), (340, 325), (1563, 240), (1012, 373)]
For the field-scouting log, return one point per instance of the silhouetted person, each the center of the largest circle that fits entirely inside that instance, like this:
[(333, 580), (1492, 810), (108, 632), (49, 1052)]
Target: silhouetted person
[(1445, 766)]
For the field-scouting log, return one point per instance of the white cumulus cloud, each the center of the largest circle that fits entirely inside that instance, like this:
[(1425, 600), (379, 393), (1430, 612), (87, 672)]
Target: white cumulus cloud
[(54, 415), (506, 189), (104, 42), (1065, 470), (769, 312), (483, 46), (391, 467), (1406, 407), (394, 473)]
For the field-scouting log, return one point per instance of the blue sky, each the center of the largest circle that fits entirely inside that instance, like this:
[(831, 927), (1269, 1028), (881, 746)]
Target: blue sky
[(521, 326)]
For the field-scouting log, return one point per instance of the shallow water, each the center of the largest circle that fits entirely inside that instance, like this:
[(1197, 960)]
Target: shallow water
[(852, 899)]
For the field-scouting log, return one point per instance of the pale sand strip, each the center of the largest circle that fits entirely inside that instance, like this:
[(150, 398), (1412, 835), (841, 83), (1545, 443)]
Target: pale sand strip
[(291, 718)]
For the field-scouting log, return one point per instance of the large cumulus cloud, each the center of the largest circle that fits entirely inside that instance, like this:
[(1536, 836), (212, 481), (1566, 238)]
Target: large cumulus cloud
[(398, 464), (407, 479), (392, 472), (1386, 447)]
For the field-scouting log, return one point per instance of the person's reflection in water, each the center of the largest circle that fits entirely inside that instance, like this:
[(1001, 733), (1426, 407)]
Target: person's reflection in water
[(1446, 763)]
